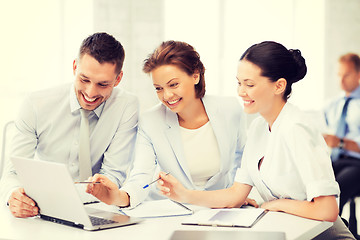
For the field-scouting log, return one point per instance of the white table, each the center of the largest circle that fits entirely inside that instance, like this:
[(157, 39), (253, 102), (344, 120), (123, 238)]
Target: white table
[(152, 228)]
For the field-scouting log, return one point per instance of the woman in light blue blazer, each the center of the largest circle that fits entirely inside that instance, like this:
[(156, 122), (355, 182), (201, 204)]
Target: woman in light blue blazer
[(198, 139)]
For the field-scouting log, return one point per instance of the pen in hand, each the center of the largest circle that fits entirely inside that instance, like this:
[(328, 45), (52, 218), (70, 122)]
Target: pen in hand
[(87, 182), (147, 185)]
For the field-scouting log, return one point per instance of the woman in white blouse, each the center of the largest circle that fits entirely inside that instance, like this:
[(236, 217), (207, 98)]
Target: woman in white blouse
[(198, 138), (285, 158)]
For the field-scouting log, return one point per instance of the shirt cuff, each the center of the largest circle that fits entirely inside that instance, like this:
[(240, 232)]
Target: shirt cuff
[(136, 194), (243, 177)]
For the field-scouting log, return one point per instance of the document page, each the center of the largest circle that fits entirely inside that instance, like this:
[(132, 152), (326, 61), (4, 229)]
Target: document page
[(233, 217), (158, 208)]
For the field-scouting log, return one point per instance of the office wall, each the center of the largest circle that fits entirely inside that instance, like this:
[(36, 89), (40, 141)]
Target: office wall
[(40, 39), (138, 25), (309, 36), (342, 35), (201, 24)]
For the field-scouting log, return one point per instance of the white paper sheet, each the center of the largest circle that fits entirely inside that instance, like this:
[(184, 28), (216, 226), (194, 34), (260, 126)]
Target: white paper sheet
[(158, 208)]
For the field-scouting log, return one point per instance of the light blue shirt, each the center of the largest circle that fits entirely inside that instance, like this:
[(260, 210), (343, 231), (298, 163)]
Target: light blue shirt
[(333, 112), (48, 125), (159, 146)]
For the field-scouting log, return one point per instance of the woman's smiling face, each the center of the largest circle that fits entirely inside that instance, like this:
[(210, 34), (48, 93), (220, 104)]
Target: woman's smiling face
[(256, 91), (174, 87)]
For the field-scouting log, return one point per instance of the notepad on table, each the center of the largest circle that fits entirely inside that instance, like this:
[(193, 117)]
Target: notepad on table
[(158, 208), (233, 217)]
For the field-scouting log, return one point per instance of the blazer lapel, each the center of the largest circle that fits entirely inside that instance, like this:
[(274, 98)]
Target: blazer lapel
[(220, 131), (173, 135)]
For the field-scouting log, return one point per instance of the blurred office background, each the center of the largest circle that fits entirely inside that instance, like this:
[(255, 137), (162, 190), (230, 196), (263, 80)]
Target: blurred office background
[(40, 39)]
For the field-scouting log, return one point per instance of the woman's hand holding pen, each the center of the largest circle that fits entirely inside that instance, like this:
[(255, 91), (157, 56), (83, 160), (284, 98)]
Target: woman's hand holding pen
[(106, 191), (172, 188)]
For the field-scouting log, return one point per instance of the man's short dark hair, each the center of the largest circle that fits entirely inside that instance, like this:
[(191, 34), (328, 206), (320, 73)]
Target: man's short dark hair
[(104, 48), (351, 58)]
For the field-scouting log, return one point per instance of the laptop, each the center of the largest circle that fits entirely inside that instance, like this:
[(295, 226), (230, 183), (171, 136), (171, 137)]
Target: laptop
[(53, 189)]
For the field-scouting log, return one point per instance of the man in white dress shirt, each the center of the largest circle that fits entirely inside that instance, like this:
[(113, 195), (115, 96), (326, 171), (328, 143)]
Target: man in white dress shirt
[(48, 124)]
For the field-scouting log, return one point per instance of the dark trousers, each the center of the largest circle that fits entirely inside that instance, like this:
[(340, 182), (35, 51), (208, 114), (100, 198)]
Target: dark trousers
[(347, 174)]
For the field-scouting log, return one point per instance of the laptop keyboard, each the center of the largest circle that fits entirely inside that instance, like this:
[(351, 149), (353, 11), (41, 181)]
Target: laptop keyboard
[(100, 221)]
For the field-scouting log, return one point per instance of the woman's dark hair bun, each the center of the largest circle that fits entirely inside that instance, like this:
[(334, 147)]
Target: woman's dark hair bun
[(276, 61), (300, 62)]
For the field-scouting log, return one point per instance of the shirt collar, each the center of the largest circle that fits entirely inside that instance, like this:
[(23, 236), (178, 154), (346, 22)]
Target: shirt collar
[(283, 112), (75, 106), (355, 93)]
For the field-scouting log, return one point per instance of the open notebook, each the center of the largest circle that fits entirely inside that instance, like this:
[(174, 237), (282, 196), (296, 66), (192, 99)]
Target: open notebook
[(233, 217)]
